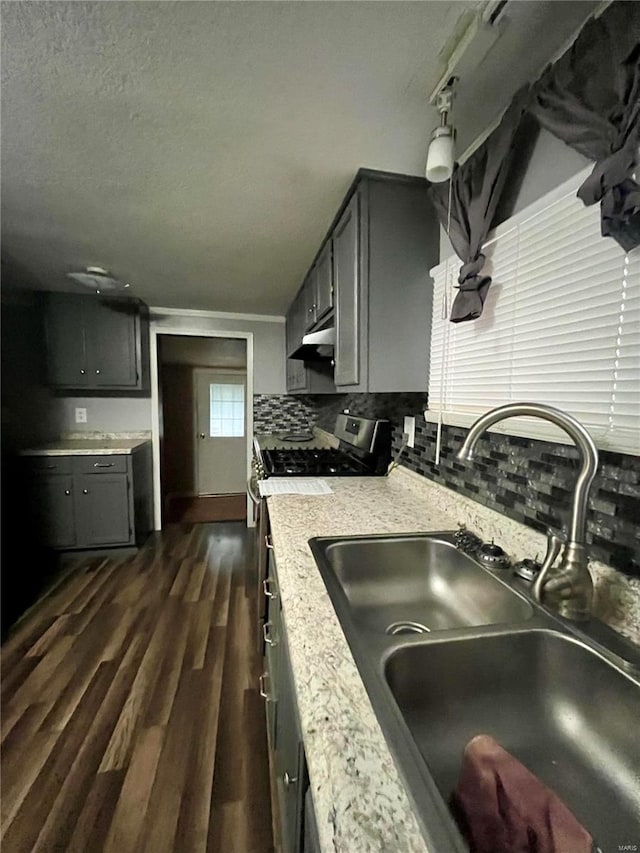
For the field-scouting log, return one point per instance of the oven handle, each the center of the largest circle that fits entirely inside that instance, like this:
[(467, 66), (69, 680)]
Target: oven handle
[(256, 500)]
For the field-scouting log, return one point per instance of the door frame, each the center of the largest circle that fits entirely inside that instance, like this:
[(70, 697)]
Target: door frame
[(229, 371), (193, 332)]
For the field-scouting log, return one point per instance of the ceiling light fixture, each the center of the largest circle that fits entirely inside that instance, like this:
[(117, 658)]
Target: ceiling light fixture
[(98, 279), (440, 153)]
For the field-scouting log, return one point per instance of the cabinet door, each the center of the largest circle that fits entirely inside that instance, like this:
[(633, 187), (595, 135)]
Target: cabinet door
[(66, 355), (111, 343), (324, 281), (346, 277), (54, 510), (272, 650), (309, 300), (289, 759), (102, 509)]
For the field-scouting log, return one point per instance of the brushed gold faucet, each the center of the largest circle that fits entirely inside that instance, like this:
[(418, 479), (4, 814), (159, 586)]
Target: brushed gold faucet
[(567, 588)]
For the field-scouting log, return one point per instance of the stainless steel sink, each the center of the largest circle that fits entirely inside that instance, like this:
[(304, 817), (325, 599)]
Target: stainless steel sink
[(417, 584), (558, 706), (487, 659)]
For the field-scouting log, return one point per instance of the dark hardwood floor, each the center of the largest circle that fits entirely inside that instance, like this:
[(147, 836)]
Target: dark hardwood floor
[(130, 715)]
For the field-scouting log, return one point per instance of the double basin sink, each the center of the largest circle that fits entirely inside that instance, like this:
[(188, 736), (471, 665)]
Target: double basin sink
[(448, 649)]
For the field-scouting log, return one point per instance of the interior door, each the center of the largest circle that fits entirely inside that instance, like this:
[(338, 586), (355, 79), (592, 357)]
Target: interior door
[(221, 424)]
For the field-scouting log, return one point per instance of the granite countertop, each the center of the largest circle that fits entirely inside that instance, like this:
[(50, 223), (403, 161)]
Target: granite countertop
[(360, 801), (87, 447)]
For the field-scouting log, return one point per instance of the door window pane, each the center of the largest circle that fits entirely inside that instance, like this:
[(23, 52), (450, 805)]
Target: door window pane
[(226, 410)]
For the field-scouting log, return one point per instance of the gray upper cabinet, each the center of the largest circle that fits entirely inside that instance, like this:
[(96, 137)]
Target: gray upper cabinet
[(304, 378), (372, 281), (324, 281), (309, 300), (346, 274), (66, 355), (110, 330), (96, 344)]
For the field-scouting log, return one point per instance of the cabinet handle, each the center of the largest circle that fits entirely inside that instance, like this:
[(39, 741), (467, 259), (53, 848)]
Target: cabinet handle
[(67, 491), (49, 467), (202, 435), (263, 691), (82, 371), (265, 634), (103, 464), (98, 372), (265, 587), (268, 543), (85, 491), (289, 780)]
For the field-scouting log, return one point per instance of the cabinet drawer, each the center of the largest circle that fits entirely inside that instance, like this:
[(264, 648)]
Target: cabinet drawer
[(50, 464), (100, 464)]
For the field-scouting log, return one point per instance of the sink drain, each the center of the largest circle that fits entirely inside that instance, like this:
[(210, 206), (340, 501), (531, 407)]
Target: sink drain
[(407, 628)]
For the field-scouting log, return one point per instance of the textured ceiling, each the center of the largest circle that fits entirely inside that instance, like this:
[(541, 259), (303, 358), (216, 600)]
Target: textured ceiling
[(200, 149)]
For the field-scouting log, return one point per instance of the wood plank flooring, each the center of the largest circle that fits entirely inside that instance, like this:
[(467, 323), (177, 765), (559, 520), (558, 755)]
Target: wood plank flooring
[(130, 715)]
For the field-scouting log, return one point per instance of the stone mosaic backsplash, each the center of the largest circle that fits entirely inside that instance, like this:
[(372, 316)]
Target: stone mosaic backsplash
[(280, 413), (527, 480), (532, 482), (390, 406)]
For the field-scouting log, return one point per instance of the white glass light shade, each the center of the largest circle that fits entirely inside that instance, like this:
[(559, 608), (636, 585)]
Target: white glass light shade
[(440, 155)]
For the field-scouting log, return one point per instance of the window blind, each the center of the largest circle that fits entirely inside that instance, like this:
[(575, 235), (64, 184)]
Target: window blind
[(561, 326)]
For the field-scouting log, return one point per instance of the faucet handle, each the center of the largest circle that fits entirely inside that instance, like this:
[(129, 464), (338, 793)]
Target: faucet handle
[(555, 544)]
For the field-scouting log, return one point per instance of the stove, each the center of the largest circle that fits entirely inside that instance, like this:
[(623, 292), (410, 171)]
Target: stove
[(364, 450)]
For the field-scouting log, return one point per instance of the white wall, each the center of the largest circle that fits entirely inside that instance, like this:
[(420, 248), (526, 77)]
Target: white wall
[(104, 414), (268, 341)]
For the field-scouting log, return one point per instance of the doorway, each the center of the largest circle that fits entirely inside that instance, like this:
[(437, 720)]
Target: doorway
[(203, 426)]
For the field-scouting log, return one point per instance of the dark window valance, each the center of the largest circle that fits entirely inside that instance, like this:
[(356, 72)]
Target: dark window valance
[(476, 187), (590, 99)]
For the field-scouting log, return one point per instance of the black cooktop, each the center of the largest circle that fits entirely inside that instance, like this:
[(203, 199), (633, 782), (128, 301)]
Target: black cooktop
[(305, 462)]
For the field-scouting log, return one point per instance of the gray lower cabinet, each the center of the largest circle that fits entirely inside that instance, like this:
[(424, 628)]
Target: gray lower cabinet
[(103, 513), (91, 501), (97, 344), (286, 752), (54, 512)]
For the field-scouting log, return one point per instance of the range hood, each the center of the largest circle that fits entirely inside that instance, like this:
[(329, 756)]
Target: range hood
[(317, 346)]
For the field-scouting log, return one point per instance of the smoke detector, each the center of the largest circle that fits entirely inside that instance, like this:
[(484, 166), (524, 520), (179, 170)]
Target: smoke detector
[(98, 279)]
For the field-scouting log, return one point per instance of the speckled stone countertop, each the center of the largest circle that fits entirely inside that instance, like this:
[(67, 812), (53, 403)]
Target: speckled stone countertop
[(359, 798), (87, 447)]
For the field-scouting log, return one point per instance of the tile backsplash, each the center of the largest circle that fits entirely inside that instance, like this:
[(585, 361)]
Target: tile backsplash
[(527, 480), (281, 412), (532, 482)]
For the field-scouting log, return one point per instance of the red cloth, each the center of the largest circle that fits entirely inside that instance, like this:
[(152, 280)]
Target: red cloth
[(504, 808)]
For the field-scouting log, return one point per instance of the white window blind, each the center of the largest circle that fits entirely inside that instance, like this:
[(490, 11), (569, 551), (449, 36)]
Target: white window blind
[(561, 326)]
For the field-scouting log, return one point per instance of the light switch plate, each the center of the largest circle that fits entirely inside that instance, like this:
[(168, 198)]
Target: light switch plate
[(81, 416), (410, 431)]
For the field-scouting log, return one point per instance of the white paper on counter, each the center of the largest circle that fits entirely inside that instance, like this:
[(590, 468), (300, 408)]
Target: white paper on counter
[(293, 486)]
